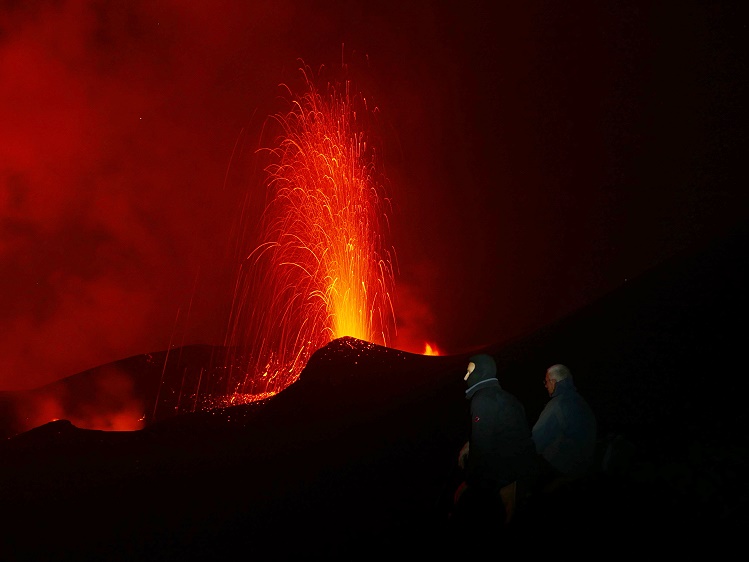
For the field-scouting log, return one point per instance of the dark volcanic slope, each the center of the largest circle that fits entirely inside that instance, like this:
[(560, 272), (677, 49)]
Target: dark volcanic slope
[(305, 464), (357, 457)]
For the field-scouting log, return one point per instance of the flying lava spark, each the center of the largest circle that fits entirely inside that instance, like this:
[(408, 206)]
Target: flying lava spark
[(322, 269)]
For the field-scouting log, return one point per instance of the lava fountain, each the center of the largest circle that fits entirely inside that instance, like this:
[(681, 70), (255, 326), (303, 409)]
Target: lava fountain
[(322, 269)]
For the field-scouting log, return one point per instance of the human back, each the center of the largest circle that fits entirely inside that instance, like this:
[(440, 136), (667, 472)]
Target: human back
[(502, 450)]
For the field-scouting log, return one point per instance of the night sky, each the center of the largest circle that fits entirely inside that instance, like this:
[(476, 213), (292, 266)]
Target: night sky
[(538, 156)]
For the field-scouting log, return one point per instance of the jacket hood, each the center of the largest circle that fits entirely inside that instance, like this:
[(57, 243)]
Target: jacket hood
[(485, 369)]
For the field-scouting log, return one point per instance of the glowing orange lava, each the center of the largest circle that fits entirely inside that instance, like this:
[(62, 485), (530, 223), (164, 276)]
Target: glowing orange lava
[(430, 349), (321, 269)]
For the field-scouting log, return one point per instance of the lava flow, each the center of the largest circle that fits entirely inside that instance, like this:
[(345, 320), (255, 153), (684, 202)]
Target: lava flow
[(322, 269)]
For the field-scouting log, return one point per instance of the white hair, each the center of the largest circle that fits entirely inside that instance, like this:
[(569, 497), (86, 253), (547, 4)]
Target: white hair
[(558, 372)]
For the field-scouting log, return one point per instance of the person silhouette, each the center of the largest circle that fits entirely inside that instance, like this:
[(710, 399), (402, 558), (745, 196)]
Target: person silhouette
[(500, 454), (566, 431)]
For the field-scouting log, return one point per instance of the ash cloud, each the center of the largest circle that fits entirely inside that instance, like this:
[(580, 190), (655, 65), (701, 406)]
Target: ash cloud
[(112, 215)]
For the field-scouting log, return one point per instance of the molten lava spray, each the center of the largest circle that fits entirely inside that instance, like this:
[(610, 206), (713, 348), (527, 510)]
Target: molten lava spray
[(322, 269)]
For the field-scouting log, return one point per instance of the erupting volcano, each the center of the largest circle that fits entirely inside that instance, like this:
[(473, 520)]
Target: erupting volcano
[(322, 268)]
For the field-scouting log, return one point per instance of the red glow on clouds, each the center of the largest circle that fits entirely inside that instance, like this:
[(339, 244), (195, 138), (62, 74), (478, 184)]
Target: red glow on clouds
[(91, 219), (110, 404)]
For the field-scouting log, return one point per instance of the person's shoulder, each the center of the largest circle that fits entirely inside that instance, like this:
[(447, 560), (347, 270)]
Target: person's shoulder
[(507, 394)]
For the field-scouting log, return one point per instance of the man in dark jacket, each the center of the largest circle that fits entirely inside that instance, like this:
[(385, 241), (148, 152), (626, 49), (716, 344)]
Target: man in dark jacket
[(565, 433), (500, 452)]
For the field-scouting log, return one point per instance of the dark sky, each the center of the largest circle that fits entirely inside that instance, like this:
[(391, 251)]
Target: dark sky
[(538, 154)]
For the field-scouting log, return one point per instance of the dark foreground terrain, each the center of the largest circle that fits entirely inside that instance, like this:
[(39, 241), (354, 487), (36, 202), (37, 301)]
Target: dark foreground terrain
[(357, 459)]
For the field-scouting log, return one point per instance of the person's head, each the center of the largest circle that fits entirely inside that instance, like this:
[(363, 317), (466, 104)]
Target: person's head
[(554, 374), (480, 368)]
